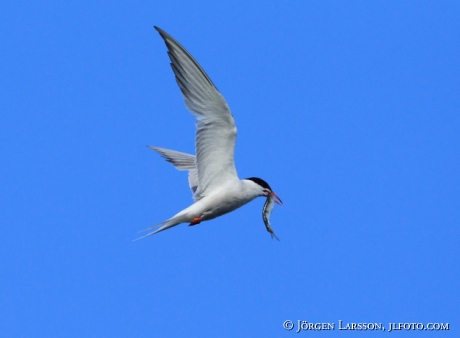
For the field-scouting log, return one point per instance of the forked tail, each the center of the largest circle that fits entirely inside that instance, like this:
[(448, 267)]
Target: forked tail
[(163, 226)]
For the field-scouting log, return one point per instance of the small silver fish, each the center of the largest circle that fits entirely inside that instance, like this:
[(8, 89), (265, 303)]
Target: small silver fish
[(266, 212)]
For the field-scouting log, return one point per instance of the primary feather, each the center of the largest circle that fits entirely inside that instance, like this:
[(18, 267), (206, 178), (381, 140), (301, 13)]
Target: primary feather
[(216, 130)]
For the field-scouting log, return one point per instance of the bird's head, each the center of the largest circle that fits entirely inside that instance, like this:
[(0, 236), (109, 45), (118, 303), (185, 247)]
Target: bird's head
[(264, 189)]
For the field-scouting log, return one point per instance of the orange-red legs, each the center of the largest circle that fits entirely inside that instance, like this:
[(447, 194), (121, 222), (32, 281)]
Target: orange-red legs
[(195, 221)]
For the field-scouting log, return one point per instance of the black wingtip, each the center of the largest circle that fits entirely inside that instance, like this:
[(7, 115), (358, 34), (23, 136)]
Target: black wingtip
[(274, 236), (159, 30)]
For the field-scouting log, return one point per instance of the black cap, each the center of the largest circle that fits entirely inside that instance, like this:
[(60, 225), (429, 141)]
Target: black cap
[(260, 182)]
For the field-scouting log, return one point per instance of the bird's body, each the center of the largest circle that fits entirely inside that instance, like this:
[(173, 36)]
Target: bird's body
[(215, 185), (234, 194)]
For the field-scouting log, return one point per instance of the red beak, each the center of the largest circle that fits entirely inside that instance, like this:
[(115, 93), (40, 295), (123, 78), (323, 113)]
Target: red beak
[(277, 199)]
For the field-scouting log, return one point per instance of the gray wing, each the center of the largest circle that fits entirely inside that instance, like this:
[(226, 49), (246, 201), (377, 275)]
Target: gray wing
[(181, 161), (216, 130)]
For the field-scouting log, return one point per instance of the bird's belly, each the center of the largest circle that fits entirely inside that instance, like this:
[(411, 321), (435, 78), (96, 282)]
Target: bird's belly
[(220, 206)]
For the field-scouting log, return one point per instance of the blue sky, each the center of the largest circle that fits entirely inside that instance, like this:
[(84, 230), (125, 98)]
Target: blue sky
[(350, 110)]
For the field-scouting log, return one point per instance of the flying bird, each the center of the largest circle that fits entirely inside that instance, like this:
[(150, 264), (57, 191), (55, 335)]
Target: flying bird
[(212, 176)]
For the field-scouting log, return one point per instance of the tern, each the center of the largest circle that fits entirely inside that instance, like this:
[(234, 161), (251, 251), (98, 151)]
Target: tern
[(212, 176)]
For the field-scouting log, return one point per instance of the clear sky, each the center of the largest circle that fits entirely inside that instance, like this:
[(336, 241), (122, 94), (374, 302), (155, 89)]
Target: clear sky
[(348, 109)]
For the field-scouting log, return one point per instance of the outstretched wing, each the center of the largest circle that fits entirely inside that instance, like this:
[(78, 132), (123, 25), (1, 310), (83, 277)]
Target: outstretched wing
[(216, 131), (181, 161)]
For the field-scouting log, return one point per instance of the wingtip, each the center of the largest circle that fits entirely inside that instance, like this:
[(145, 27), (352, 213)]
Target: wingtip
[(162, 33), (274, 236), (159, 30)]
